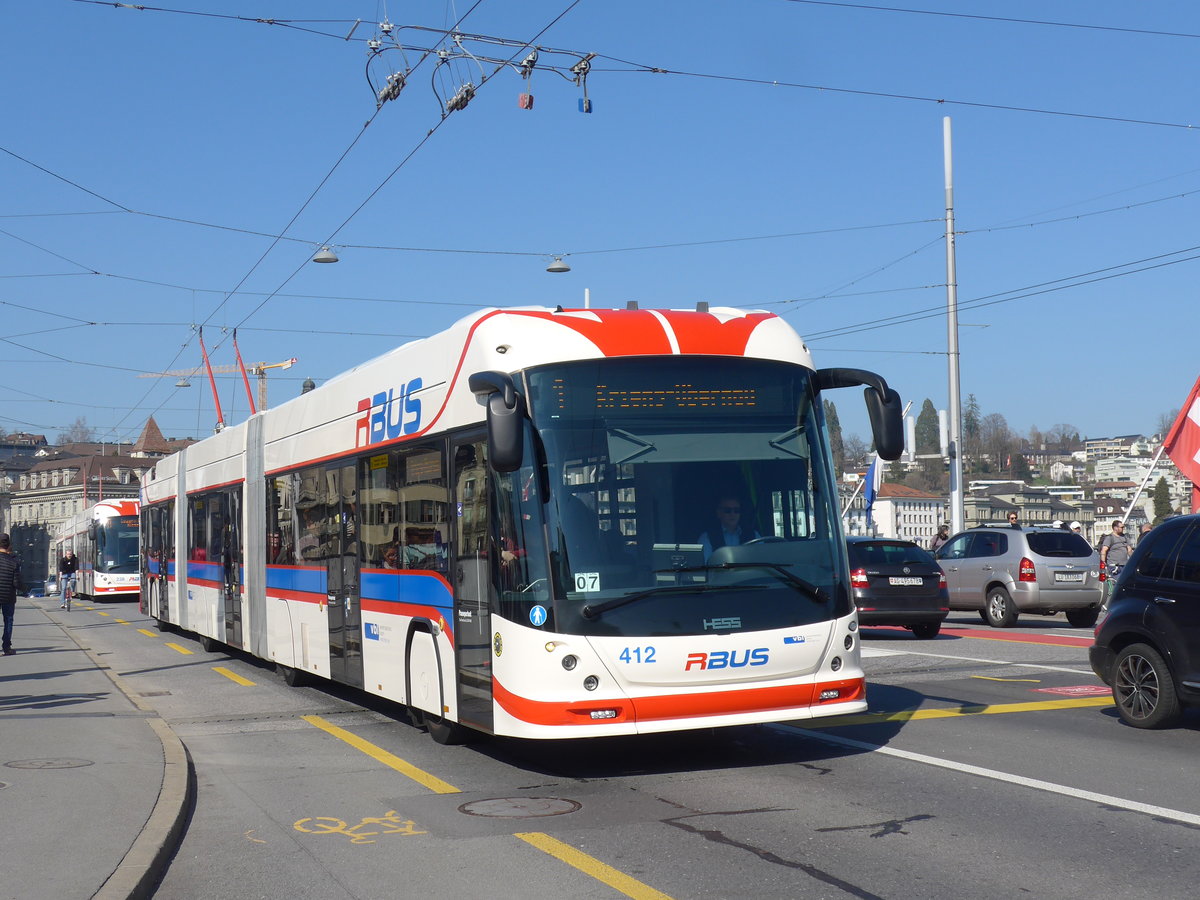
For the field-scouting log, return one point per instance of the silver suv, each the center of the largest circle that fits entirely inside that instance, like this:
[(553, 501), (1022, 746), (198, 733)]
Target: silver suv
[(1005, 571)]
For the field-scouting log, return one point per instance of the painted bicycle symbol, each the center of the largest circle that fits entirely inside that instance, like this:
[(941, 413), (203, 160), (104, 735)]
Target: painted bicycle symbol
[(390, 823)]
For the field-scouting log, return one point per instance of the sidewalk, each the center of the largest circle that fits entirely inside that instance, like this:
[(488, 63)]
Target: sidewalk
[(95, 788)]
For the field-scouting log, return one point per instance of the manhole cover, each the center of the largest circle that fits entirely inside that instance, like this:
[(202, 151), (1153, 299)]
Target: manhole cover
[(48, 763), (519, 807)]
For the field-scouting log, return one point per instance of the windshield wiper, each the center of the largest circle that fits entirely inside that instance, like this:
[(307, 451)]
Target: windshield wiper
[(791, 578), (590, 612)]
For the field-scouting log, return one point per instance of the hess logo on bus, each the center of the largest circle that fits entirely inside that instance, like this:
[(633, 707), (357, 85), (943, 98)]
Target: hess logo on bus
[(388, 415), (727, 659)]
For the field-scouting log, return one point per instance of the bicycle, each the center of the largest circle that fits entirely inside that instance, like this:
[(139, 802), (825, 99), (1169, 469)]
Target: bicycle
[(68, 592)]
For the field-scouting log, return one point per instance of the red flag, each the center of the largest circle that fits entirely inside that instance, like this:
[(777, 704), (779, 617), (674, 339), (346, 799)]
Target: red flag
[(1182, 443)]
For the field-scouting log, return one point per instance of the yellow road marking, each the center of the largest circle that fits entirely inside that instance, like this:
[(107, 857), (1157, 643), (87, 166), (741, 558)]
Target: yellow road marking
[(147, 633), (390, 760), (122, 622), (588, 865), (103, 613), (184, 650), (233, 676), (993, 678), (905, 715)]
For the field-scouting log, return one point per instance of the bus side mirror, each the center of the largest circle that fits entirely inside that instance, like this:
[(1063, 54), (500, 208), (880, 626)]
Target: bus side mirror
[(883, 406), (505, 418), (92, 530)]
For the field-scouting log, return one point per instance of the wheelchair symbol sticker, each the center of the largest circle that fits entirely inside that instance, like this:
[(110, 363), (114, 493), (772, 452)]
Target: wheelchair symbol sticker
[(537, 616)]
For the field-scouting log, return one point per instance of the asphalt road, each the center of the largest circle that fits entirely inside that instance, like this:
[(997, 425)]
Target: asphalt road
[(991, 765)]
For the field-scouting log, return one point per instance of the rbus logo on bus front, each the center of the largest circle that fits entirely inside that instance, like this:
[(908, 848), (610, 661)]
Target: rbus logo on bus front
[(727, 659), (388, 415)]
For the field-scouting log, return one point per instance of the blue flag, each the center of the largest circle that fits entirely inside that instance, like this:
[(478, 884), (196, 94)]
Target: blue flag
[(871, 487)]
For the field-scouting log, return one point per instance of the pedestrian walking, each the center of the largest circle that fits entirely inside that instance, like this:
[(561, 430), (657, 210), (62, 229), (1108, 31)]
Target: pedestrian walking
[(10, 583), (1013, 521)]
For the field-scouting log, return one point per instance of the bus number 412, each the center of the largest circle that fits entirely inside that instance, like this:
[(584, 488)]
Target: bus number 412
[(637, 655)]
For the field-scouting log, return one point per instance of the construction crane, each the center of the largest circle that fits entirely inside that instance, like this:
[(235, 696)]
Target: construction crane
[(258, 369)]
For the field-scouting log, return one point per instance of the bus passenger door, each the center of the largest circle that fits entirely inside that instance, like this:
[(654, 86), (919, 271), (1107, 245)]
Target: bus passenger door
[(231, 568), (472, 583), (340, 543)]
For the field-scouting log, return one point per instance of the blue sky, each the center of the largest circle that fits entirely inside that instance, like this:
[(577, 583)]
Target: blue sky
[(820, 197)]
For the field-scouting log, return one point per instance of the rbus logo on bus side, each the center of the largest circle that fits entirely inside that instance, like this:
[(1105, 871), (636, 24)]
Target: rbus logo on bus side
[(388, 415), (728, 659)]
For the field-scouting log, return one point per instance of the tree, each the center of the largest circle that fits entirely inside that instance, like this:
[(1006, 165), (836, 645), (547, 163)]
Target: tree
[(855, 450), (996, 441), (1062, 437), (1162, 501), (970, 432), (1165, 421), (927, 430), (895, 472), (837, 445), (78, 433), (1018, 470)]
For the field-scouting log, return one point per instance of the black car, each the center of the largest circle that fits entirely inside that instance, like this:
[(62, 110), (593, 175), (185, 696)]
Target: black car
[(1148, 646), (897, 583)]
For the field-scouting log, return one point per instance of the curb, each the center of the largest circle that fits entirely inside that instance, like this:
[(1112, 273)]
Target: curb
[(139, 872)]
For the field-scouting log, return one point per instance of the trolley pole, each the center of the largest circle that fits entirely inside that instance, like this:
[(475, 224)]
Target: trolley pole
[(957, 514)]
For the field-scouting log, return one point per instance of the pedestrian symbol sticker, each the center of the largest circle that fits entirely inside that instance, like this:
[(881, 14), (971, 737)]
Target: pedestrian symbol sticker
[(537, 616)]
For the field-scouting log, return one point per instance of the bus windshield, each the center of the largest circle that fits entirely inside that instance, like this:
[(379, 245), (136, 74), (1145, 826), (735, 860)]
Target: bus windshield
[(686, 495), (117, 545)]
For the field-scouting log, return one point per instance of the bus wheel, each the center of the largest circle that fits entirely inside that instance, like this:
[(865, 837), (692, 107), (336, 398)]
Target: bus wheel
[(162, 625), (448, 733), (292, 677), (207, 644)]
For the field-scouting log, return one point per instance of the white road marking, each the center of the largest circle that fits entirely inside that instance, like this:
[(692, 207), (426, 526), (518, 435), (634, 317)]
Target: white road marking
[(1161, 812)]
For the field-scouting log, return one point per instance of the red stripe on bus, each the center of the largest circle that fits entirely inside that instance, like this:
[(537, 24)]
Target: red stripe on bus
[(678, 706)]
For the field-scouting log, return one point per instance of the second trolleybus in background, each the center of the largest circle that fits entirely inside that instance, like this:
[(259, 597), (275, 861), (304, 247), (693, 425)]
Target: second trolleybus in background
[(104, 538), (508, 527)]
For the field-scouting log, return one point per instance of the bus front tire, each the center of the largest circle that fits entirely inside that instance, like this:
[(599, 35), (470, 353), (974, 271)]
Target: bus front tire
[(292, 677)]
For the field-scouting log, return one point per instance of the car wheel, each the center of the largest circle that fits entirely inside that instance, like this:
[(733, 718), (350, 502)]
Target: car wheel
[(926, 629), (999, 610), (983, 615), (1143, 688), (1083, 618)]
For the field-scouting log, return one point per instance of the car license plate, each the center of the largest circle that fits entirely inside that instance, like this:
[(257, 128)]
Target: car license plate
[(1074, 577), (901, 579)]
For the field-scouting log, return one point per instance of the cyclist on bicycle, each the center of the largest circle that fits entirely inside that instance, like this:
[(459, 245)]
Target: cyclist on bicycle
[(67, 567), (1114, 553)]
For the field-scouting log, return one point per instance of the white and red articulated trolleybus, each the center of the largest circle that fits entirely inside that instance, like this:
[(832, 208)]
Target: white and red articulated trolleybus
[(510, 527), (104, 538)]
